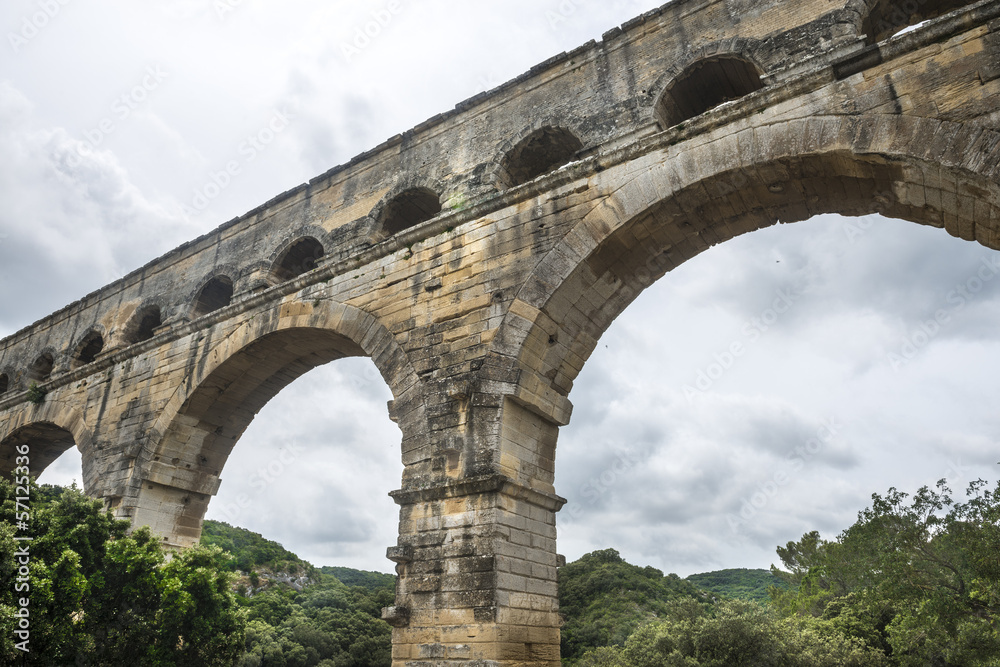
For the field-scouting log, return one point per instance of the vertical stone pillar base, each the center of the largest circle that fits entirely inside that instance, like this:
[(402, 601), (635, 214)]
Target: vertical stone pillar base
[(477, 576), (172, 501)]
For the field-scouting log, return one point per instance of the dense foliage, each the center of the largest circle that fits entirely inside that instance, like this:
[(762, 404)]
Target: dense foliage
[(739, 583), (912, 583), (361, 578), (327, 624), (99, 596), (918, 579), (732, 632), (604, 599)]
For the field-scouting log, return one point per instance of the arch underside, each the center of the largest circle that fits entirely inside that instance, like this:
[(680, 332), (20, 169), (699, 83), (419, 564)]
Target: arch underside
[(637, 248), (178, 470), (46, 442), (222, 406)]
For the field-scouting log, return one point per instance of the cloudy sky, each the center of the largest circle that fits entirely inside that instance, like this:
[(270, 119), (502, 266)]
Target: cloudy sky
[(113, 116)]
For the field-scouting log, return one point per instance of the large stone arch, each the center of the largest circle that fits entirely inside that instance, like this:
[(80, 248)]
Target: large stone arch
[(49, 429), (680, 202), (185, 450)]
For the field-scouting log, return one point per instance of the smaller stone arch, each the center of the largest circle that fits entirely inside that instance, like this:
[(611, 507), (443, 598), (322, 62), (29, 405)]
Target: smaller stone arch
[(406, 210), (542, 150), (41, 369), (216, 292), (49, 430), (89, 347), (297, 257), (705, 82), (4, 382), (881, 19), (143, 323)]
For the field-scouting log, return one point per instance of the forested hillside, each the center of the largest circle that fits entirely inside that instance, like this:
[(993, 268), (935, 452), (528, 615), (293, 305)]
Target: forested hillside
[(739, 583), (302, 616)]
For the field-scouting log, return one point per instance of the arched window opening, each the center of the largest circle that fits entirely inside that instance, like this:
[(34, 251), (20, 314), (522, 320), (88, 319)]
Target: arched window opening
[(144, 325), (4, 383), (543, 151), (300, 258), (409, 209), (218, 293), (42, 368), (88, 350), (705, 85), (888, 17)]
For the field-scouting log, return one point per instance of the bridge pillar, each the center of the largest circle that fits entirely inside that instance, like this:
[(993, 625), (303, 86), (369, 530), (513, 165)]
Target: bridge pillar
[(477, 575)]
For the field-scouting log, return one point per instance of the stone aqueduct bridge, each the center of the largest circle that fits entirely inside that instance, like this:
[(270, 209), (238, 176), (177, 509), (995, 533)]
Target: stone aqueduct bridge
[(478, 258)]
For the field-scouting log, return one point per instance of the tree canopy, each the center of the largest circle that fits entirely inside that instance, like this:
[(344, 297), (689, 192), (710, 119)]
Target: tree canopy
[(98, 595)]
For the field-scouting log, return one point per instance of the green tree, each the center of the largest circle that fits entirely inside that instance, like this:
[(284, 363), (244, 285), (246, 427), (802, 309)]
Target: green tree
[(101, 596), (918, 578)]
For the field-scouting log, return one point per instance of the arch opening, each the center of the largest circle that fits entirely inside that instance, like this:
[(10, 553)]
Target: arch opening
[(409, 209), (88, 349), (45, 441), (658, 237), (887, 18), (300, 258), (323, 442), (542, 151), (676, 409), (706, 84), (42, 368), (143, 325), (4, 383), (213, 417), (218, 293)]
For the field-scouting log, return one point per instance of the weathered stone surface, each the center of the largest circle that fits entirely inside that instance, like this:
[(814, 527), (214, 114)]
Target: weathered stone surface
[(478, 259)]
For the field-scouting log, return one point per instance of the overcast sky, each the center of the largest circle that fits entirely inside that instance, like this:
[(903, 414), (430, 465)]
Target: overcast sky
[(113, 115)]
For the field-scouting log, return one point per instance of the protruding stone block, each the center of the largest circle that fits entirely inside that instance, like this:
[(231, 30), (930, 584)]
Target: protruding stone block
[(397, 617)]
